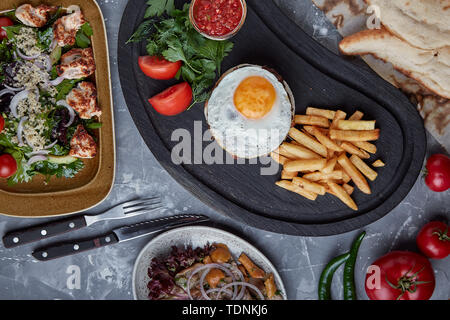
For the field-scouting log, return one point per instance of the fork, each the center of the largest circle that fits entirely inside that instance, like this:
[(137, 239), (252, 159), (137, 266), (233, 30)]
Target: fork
[(121, 211)]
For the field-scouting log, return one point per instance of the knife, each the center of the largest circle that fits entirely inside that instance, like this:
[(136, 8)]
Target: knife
[(117, 235)]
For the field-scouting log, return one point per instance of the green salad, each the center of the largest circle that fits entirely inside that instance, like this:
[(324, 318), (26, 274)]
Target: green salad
[(48, 106)]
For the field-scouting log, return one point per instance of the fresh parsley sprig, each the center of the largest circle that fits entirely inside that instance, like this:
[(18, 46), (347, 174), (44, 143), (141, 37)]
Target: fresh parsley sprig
[(170, 34)]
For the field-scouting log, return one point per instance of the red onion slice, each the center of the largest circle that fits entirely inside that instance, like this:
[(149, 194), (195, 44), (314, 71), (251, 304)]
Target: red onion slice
[(36, 159), (56, 81), (63, 103), (13, 88), (6, 91), (15, 101), (25, 57), (39, 153), (50, 145), (243, 284), (20, 131)]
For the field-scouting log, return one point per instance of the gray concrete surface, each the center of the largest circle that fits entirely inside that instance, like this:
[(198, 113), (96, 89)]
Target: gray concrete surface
[(106, 273)]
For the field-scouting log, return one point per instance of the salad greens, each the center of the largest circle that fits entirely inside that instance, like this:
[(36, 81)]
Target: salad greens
[(52, 116), (170, 34)]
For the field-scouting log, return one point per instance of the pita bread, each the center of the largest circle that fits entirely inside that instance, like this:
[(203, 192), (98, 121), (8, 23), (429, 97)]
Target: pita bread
[(423, 23), (431, 68), (349, 17)]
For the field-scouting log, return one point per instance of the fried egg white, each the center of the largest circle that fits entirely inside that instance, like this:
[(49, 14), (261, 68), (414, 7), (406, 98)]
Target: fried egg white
[(250, 111)]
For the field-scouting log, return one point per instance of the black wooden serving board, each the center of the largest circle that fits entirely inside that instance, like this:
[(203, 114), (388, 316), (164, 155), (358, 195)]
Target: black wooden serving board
[(317, 78)]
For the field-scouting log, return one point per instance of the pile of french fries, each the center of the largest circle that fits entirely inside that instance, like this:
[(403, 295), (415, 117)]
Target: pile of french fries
[(326, 155)]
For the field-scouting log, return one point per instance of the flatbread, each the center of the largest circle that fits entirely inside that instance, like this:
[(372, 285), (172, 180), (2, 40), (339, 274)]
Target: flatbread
[(431, 68), (423, 23), (349, 17)]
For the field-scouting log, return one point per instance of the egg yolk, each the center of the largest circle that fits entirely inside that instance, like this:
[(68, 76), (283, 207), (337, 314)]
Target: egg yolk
[(254, 97)]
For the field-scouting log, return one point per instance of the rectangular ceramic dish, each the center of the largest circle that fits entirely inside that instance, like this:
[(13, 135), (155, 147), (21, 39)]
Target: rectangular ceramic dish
[(93, 184)]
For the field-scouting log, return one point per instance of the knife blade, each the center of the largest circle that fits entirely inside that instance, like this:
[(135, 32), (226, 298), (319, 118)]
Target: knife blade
[(122, 234)]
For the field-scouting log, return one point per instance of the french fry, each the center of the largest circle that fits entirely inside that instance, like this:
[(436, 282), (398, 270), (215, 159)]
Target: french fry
[(309, 129), (367, 146), (355, 135), (352, 149), (354, 173), (298, 152), (316, 176), (358, 115), (329, 167), (288, 185), (343, 195), (312, 120), (284, 152), (253, 270), (364, 168), (308, 142), (340, 115), (309, 185), (305, 165), (279, 158), (378, 164), (355, 125), (285, 175), (329, 114), (324, 140), (348, 188)]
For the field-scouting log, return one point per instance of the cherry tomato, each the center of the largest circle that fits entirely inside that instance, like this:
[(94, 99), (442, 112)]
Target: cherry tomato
[(403, 275), (434, 240), (438, 172), (158, 68), (2, 123), (4, 22), (8, 165), (173, 100)]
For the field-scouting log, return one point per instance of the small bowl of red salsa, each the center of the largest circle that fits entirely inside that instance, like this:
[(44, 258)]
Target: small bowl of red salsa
[(218, 19)]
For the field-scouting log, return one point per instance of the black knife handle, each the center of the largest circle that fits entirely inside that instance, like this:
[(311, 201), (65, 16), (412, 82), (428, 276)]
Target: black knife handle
[(43, 231), (69, 248)]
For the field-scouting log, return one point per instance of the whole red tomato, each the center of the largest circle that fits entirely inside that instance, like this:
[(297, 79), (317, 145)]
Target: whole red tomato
[(438, 172), (434, 240), (403, 275), (4, 22)]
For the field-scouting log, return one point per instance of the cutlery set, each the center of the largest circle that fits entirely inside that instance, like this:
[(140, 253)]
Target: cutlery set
[(122, 211)]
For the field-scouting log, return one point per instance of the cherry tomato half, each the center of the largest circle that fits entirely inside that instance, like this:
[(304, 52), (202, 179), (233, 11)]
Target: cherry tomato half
[(4, 22), (434, 240), (2, 123), (173, 100), (8, 165), (438, 172), (158, 68)]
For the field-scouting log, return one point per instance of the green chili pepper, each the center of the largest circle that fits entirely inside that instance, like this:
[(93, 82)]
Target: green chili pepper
[(349, 269), (327, 276)]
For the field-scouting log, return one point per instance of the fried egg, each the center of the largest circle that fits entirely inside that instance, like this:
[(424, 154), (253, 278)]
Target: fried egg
[(250, 111)]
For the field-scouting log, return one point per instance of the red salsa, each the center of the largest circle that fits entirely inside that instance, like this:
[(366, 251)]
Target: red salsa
[(217, 17)]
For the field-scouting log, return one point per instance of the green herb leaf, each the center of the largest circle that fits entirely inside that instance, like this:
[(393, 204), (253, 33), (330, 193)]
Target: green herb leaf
[(158, 7), (45, 38)]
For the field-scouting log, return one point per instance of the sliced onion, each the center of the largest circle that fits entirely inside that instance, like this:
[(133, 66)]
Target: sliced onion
[(13, 88), (20, 131), (224, 267), (50, 145), (6, 91), (48, 65), (25, 57), (36, 159), (63, 103), (39, 153), (243, 284), (227, 292), (56, 81), (15, 101), (73, 8)]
